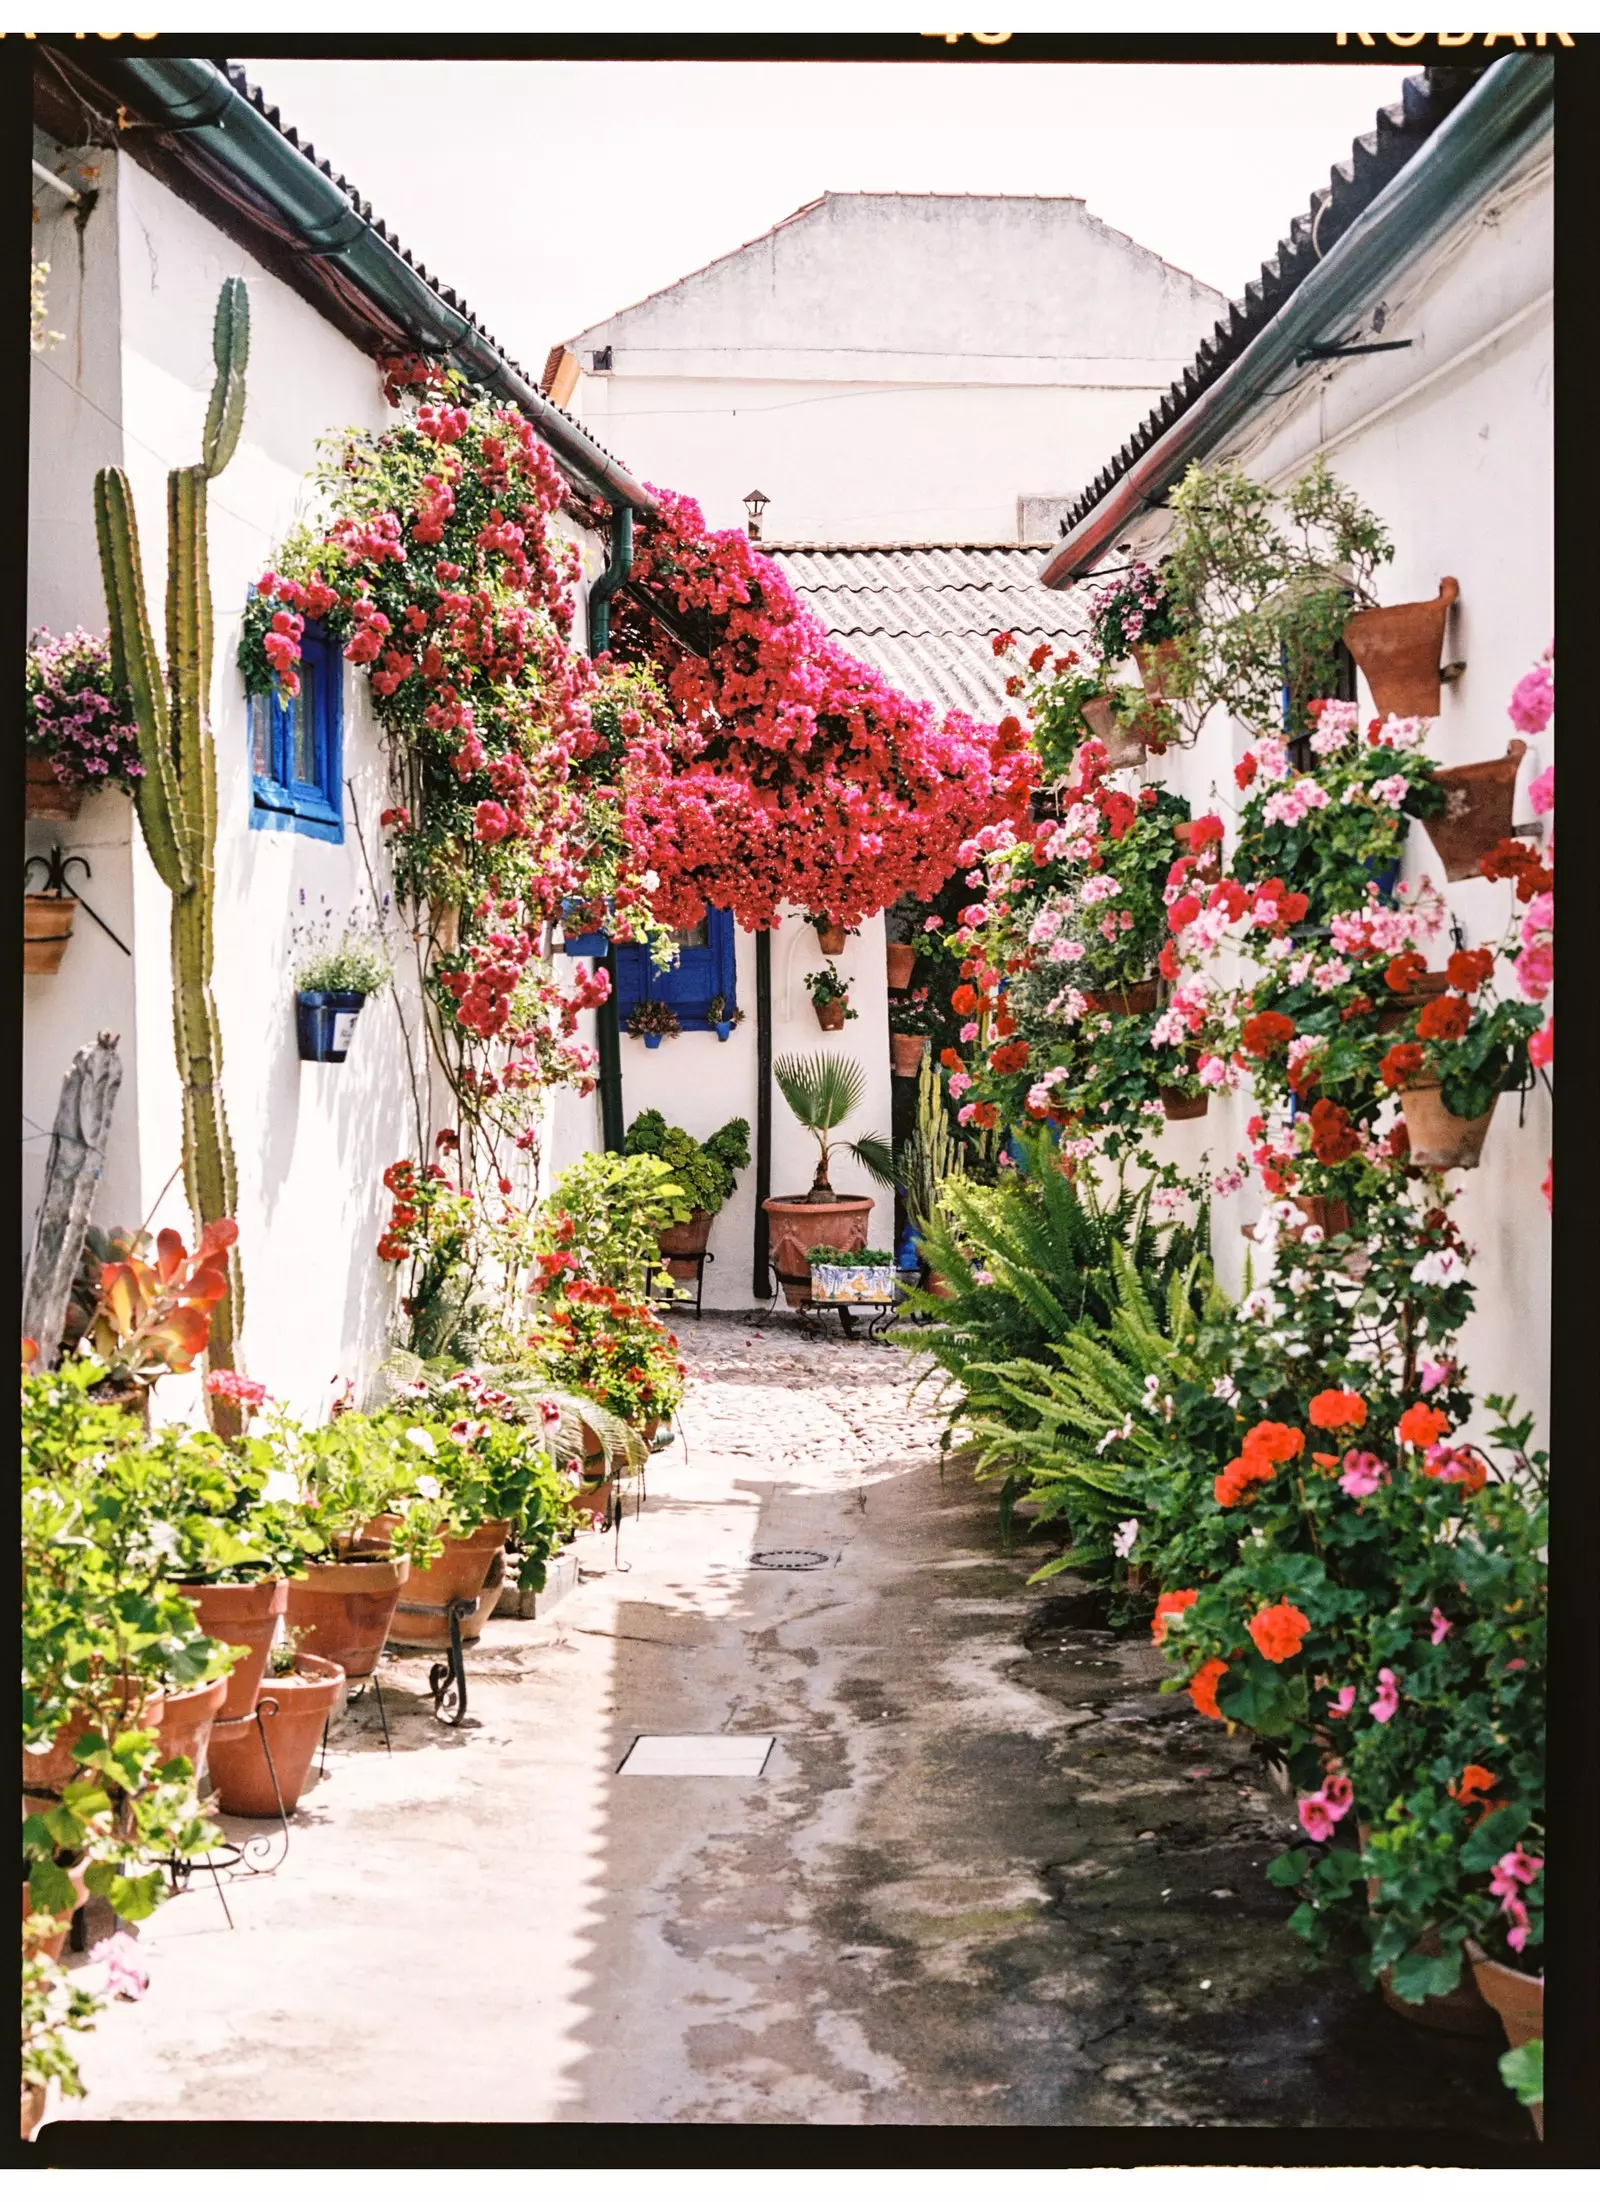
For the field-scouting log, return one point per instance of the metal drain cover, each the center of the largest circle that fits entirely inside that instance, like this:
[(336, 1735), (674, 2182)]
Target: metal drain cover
[(791, 1562)]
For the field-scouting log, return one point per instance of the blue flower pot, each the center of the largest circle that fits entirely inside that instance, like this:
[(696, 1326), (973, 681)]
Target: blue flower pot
[(725, 1032), (325, 1024), (652, 1039)]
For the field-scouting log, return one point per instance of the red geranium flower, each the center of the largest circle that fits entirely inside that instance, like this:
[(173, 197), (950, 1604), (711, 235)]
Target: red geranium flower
[(1422, 1425), (1266, 1032), (1170, 1602), (1468, 968), (1333, 1137), (1445, 1018), (1336, 1410), (1401, 1064), (1404, 971), (1203, 1687), (1245, 770), (1278, 1631)]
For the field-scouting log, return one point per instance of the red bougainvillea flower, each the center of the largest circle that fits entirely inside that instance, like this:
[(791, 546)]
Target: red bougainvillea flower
[(1337, 1410), (1401, 1064), (1468, 969), (1245, 770), (1266, 1032), (1404, 971), (1278, 1631), (1169, 1603), (1203, 1688), (1445, 1018), (1422, 1426)]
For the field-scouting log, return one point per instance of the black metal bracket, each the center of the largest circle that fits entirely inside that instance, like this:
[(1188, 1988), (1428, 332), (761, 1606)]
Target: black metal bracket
[(56, 867), (447, 1678), (1309, 352)]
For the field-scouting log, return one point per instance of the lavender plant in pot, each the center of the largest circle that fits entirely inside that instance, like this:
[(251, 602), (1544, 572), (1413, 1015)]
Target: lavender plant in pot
[(333, 980)]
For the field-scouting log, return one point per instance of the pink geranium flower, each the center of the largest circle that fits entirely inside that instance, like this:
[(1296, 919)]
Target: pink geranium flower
[(1342, 1704), (1318, 1822), (1542, 791), (1387, 1702), (1441, 1625), (126, 1974), (1363, 1473)]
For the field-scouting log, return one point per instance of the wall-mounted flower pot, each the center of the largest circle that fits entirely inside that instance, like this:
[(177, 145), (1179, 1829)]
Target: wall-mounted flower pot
[(1440, 1141), (345, 1608), (830, 1015), (1426, 987), (1398, 647), (1158, 668), (186, 1721), (46, 929), (682, 1244), (1477, 810), (1123, 745), (1179, 1107), (461, 1571), (796, 1224), (244, 1615), (325, 1025), (1129, 1001), (906, 1053), (830, 939), (725, 1031), (900, 956), (293, 1711), (651, 1039), (49, 797)]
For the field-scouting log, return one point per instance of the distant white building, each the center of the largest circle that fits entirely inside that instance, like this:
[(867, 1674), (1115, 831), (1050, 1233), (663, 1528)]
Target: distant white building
[(893, 367)]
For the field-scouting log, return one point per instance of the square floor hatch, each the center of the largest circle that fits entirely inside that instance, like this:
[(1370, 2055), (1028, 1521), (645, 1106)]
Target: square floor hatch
[(742, 1757)]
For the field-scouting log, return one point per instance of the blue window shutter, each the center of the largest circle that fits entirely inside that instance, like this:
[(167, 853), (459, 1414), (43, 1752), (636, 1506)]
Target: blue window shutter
[(700, 973), (297, 746)]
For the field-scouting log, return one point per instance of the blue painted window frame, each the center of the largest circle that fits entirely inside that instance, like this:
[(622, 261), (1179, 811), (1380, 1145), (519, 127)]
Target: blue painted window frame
[(690, 985), (279, 798)]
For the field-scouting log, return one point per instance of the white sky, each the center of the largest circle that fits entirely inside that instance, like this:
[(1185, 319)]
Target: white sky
[(549, 194)]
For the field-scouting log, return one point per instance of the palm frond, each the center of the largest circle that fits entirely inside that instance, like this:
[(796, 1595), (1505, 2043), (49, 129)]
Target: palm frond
[(875, 1156), (822, 1090)]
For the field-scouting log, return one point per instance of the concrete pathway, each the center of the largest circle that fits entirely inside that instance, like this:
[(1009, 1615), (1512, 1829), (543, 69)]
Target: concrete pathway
[(988, 1876)]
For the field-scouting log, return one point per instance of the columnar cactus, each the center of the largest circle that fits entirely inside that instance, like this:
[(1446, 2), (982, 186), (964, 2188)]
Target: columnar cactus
[(177, 797)]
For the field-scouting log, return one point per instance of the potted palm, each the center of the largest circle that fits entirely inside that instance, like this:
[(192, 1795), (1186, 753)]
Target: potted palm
[(830, 997), (821, 1091), (333, 980)]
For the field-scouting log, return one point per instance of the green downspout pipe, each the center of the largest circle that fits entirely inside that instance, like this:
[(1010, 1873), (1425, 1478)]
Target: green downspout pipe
[(761, 1280), (608, 1037), (194, 101), (1476, 146)]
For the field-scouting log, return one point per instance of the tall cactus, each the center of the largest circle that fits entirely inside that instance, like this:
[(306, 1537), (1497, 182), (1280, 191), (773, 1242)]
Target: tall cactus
[(932, 1151), (177, 797)]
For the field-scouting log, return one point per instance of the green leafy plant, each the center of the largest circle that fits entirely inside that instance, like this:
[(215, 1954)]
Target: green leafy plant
[(865, 1257), (718, 1012), (659, 1019), (356, 1468), (821, 1091), (604, 1219), (826, 987), (706, 1169), (912, 1014)]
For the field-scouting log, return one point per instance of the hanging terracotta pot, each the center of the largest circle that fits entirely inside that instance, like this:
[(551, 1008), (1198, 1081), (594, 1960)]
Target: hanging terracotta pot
[(1122, 744), (49, 797), (1440, 1141), (461, 1571), (1398, 647), (1138, 1000), (830, 1015), (1477, 810), (346, 1606), (1427, 987), (244, 1615), (1330, 1217), (682, 1244), (830, 939), (186, 1722), (46, 929), (292, 1712), (1179, 1107), (900, 957), (1158, 668), (906, 1052)]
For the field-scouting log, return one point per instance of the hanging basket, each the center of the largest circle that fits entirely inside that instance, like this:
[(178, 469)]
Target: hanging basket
[(1478, 802), (49, 797), (1158, 664), (906, 1053), (1128, 1001), (46, 929), (325, 1025), (1179, 1107), (830, 939), (1123, 744), (900, 957), (1440, 1141), (1398, 647)]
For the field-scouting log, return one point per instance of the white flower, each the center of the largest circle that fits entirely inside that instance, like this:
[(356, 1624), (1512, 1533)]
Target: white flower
[(423, 1441), (1442, 1268), (428, 1487), (164, 1538), (1126, 1537), (1225, 1389), (650, 882)]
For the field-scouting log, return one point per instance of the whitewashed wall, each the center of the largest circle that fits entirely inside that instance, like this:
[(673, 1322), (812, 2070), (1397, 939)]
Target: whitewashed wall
[(1449, 443), (311, 1140)]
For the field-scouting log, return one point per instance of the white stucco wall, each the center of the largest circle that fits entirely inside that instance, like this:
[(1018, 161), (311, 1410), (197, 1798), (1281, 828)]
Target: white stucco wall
[(311, 1140), (1450, 444), (896, 367)]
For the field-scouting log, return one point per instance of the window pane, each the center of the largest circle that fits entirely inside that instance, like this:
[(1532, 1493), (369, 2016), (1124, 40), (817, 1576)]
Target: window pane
[(304, 722), (261, 737), (690, 936)]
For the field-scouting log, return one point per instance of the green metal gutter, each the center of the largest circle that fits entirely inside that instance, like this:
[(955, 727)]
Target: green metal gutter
[(618, 567), (195, 102), (1501, 120)]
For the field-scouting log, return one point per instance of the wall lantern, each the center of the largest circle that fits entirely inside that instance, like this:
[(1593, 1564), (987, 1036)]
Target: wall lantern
[(756, 504)]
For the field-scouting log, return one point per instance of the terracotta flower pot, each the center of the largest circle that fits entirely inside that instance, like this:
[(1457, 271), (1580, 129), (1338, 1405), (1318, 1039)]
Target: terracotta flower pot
[(244, 1615), (52, 1770), (1478, 802), (1331, 1217), (1181, 1108), (681, 1241), (795, 1225), (900, 959), (906, 1051), (293, 1710), (186, 1722), (1440, 1141), (49, 797), (594, 1498), (461, 1571), (1122, 744), (1462, 2011), (1158, 668), (830, 1015), (830, 939), (1427, 988), (1398, 647), (345, 1607), (35, 2101), (46, 929), (54, 1944), (1129, 1001), (1517, 1997)]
